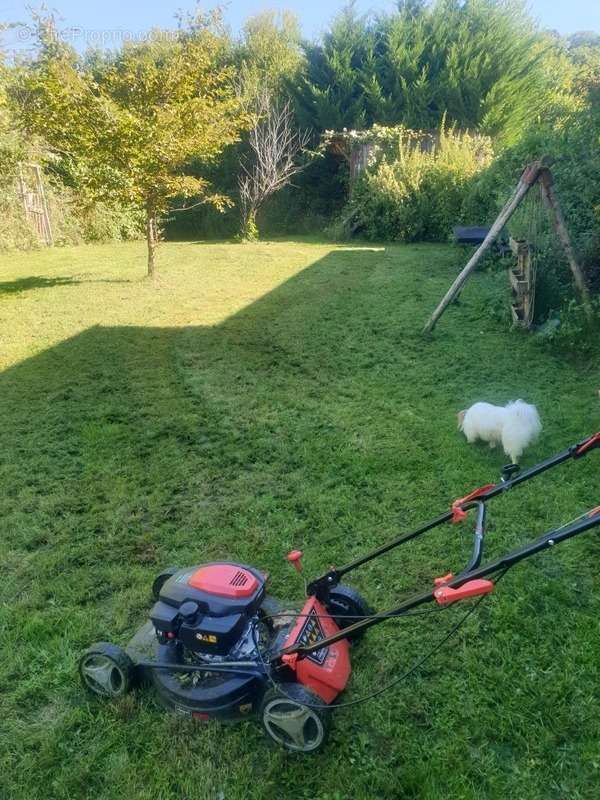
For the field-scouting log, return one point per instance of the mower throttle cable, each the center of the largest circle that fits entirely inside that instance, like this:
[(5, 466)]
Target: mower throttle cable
[(402, 677), (391, 615)]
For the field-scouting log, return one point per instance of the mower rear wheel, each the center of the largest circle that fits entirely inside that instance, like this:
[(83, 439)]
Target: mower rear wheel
[(295, 718), (347, 606), (161, 579), (106, 670)]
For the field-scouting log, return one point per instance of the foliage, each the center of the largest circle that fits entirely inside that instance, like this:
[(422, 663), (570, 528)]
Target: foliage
[(480, 64), (319, 192), (15, 231), (573, 332), (72, 221), (415, 193), (124, 123), (74, 217), (569, 135), (267, 58), (12, 147), (331, 91), (269, 54)]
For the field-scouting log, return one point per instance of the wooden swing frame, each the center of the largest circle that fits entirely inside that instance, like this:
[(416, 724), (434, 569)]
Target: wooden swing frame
[(536, 171)]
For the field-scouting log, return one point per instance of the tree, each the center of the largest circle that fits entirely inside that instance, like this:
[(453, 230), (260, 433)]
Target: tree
[(270, 53), (123, 124), (330, 93), (479, 63), (275, 145), (8, 140), (270, 58), (411, 8)]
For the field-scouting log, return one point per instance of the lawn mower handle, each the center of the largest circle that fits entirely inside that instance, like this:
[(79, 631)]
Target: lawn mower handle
[(321, 586), (547, 540)]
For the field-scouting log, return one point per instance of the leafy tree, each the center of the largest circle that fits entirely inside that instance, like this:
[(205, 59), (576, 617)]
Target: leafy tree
[(340, 75), (270, 53), (123, 124), (479, 63), (583, 39), (7, 138)]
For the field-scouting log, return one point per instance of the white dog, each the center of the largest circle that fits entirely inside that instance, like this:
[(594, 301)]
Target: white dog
[(515, 426)]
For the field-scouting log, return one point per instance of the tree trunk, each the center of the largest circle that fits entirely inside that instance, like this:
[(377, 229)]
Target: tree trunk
[(249, 232), (151, 240)]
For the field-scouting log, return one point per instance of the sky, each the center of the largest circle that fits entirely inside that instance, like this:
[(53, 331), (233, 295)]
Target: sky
[(110, 21)]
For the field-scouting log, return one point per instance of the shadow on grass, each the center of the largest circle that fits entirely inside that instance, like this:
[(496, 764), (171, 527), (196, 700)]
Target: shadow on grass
[(40, 282), (318, 404), (323, 382), (193, 428)]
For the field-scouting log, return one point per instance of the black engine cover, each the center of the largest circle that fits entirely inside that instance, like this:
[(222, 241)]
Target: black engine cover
[(220, 598)]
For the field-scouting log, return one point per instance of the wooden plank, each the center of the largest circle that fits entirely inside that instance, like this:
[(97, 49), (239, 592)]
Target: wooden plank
[(528, 178), (520, 287), (560, 227), (518, 246), (516, 315), (47, 229)]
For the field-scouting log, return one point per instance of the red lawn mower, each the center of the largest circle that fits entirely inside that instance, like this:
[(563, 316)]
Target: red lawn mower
[(217, 646)]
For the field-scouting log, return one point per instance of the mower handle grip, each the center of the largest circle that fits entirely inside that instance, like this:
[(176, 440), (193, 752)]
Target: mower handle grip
[(588, 444)]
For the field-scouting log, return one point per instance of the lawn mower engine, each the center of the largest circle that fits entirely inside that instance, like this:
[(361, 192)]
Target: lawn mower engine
[(211, 610), (214, 614)]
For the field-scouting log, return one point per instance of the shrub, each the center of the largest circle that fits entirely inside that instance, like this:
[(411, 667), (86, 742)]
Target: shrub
[(413, 193), (72, 222), (574, 332), (15, 231)]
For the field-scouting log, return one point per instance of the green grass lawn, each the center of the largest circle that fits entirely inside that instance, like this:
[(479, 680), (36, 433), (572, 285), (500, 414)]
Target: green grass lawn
[(260, 398)]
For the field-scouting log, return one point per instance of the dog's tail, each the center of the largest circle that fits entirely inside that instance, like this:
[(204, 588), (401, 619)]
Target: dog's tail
[(527, 415)]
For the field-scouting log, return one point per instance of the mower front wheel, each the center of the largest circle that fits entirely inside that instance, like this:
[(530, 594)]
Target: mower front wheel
[(347, 606), (106, 670), (295, 718)]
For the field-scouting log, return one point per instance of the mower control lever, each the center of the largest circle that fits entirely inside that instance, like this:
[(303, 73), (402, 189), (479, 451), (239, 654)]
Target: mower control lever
[(444, 595), (295, 558), (477, 553), (478, 538)]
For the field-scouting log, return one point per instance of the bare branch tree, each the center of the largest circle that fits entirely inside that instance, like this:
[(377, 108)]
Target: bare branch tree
[(276, 148)]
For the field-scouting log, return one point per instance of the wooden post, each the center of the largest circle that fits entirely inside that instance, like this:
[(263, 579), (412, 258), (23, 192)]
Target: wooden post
[(47, 228), (528, 178), (551, 200), (33, 198), (522, 282)]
